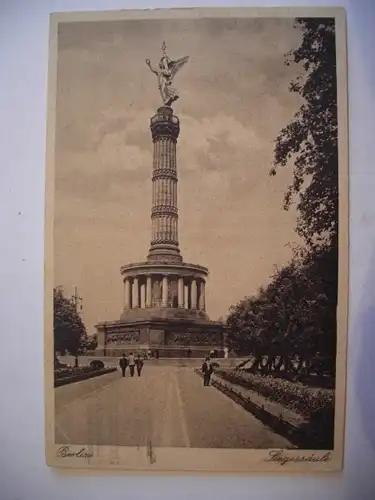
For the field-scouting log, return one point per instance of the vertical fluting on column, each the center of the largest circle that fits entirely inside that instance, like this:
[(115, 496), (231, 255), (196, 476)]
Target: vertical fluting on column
[(165, 129)]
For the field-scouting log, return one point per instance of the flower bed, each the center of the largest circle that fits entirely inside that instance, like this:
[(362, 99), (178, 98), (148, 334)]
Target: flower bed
[(71, 371), (69, 375), (294, 395)]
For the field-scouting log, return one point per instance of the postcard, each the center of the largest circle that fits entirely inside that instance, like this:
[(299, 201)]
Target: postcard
[(196, 241)]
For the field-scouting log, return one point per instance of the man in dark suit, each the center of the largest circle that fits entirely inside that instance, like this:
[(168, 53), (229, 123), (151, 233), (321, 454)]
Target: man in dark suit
[(139, 365), (207, 372), (131, 363), (123, 364)]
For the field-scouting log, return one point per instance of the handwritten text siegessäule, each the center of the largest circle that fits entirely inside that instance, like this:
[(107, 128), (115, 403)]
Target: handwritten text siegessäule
[(280, 457)]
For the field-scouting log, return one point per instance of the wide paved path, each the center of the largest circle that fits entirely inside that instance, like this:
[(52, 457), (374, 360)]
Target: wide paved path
[(167, 405)]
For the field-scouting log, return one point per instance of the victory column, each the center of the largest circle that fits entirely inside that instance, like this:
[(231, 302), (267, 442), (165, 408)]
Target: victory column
[(165, 298)]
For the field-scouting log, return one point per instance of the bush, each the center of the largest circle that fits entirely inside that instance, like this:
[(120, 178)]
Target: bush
[(96, 364), (293, 395)]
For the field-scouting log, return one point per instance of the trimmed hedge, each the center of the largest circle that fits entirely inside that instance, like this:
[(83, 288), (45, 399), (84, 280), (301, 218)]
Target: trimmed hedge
[(294, 395)]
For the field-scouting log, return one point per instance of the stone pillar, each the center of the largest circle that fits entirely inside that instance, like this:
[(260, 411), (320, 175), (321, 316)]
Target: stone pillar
[(193, 294), (148, 292), (165, 292), (181, 298), (136, 293), (127, 303), (131, 293), (100, 350), (144, 293), (202, 296), (165, 129), (189, 295)]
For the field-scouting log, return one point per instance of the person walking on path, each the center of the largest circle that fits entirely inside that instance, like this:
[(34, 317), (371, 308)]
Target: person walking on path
[(131, 364), (139, 365), (123, 364), (207, 372)]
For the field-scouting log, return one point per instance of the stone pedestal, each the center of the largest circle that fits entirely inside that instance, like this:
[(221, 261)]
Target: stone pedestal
[(170, 338)]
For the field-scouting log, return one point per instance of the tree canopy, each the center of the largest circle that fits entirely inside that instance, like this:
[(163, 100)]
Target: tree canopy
[(69, 331), (296, 312), (92, 342), (310, 139)]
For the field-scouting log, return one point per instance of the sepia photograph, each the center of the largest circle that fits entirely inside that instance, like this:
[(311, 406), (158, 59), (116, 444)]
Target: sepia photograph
[(196, 262)]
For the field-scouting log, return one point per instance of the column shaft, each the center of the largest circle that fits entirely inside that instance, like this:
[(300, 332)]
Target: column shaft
[(144, 294), (136, 292), (165, 130), (193, 294), (165, 292), (127, 304), (181, 298), (202, 296), (148, 292)]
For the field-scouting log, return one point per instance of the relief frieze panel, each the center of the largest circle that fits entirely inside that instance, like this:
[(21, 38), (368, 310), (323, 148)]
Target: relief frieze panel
[(129, 337), (187, 339)]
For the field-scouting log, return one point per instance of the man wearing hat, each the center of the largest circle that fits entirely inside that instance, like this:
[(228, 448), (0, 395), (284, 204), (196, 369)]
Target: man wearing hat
[(207, 371)]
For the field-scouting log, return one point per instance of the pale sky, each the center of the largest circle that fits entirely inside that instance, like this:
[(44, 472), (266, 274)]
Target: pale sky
[(234, 101)]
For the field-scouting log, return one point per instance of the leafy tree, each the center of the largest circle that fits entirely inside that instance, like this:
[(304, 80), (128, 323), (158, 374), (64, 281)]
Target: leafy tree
[(296, 313), (92, 342), (293, 316), (69, 330), (310, 139)]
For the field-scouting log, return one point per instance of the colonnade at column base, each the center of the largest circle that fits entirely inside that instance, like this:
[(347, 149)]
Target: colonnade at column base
[(163, 313), (164, 284)]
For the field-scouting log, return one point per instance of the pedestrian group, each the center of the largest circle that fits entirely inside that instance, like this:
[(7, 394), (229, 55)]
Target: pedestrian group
[(136, 362), (133, 363)]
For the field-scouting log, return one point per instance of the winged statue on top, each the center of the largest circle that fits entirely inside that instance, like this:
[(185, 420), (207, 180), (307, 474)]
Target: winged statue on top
[(166, 71)]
